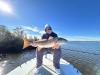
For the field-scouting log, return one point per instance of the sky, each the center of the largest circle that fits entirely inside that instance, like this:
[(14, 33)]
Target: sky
[(76, 20)]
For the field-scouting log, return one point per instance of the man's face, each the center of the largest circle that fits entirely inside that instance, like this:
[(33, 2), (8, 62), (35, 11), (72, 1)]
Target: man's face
[(48, 30)]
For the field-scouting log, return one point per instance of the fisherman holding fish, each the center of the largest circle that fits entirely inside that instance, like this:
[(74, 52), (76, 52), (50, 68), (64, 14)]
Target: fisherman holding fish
[(55, 49)]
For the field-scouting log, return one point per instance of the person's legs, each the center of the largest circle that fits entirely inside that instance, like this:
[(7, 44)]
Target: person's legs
[(56, 59), (39, 57)]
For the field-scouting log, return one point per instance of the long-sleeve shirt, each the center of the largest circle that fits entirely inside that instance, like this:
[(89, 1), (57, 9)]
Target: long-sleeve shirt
[(46, 35)]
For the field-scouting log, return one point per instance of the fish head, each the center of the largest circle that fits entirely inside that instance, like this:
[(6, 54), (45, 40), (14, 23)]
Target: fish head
[(62, 40)]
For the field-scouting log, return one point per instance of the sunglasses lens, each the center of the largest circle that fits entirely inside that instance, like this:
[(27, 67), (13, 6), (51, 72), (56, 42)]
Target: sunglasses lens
[(49, 29)]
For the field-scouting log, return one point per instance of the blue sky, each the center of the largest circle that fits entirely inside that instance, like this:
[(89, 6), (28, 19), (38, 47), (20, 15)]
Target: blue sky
[(73, 19)]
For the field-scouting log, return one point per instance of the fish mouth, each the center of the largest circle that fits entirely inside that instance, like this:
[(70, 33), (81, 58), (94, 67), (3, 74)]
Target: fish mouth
[(63, 40)]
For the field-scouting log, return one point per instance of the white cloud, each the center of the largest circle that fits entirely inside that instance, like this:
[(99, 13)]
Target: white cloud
[(41, 32), (34, 29), (82, 38)]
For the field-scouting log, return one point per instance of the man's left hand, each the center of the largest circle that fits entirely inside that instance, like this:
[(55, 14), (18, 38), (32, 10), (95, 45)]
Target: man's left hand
[(56, 46)]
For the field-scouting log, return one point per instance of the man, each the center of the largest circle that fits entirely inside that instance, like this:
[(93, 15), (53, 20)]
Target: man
[(55, 49)]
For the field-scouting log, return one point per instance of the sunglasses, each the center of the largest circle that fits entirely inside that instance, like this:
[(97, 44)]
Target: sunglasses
[(49, 29)]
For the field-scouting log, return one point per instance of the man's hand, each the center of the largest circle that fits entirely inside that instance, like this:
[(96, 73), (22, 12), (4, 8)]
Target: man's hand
[(34, 44), (56, 46)]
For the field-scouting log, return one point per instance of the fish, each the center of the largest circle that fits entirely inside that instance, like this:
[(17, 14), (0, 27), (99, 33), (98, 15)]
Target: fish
[(43, 43)]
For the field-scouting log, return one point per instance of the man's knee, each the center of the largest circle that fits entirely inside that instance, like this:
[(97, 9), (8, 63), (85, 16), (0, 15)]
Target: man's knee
[(56, 57)]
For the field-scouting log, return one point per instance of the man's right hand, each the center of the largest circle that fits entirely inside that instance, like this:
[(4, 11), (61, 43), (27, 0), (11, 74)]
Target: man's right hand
[(34, 44)]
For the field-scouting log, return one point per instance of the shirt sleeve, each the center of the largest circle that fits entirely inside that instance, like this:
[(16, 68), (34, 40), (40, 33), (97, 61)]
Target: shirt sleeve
[(43, 36), (55, 35)]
